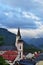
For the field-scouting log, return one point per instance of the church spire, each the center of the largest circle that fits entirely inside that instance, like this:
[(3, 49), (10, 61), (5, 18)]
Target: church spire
[(18, 33)]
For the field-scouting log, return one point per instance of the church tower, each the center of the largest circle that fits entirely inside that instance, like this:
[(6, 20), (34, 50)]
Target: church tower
[(20, 49), (18, 36), (19, 45)]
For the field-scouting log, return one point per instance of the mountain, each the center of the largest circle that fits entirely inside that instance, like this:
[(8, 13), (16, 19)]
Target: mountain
[(31, 48), (9, 42), (38, 42), (9, 38)]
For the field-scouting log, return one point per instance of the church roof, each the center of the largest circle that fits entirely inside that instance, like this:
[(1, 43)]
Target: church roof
[(18, 33)]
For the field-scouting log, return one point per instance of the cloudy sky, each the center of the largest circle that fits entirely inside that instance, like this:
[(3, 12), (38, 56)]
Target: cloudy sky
[(26, 14)]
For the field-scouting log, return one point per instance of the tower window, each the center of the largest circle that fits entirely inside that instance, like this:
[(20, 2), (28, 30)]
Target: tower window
[(20, 54), (20, 47)]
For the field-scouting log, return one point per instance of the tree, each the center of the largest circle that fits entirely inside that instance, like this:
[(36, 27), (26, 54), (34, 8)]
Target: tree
[(2, 61), (1, 40)]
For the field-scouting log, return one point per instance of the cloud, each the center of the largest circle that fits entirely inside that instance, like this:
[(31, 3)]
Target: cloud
[(2, 26), (39, 1), (38, 23), (30, 15), (6, 14), (30, 33), (16, 17), (24, 16), (18, 14)]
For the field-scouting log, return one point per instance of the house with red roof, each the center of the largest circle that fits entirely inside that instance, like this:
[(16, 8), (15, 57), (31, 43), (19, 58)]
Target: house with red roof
[(10, 55)]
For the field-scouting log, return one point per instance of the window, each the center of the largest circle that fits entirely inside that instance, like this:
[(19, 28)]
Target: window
[(20, 54), (20, 47)]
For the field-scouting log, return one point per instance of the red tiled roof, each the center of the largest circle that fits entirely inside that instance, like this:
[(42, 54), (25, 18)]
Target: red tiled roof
[(10, 55)]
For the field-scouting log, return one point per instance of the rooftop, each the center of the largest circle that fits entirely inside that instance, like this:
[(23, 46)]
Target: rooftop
[(10, 55)]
